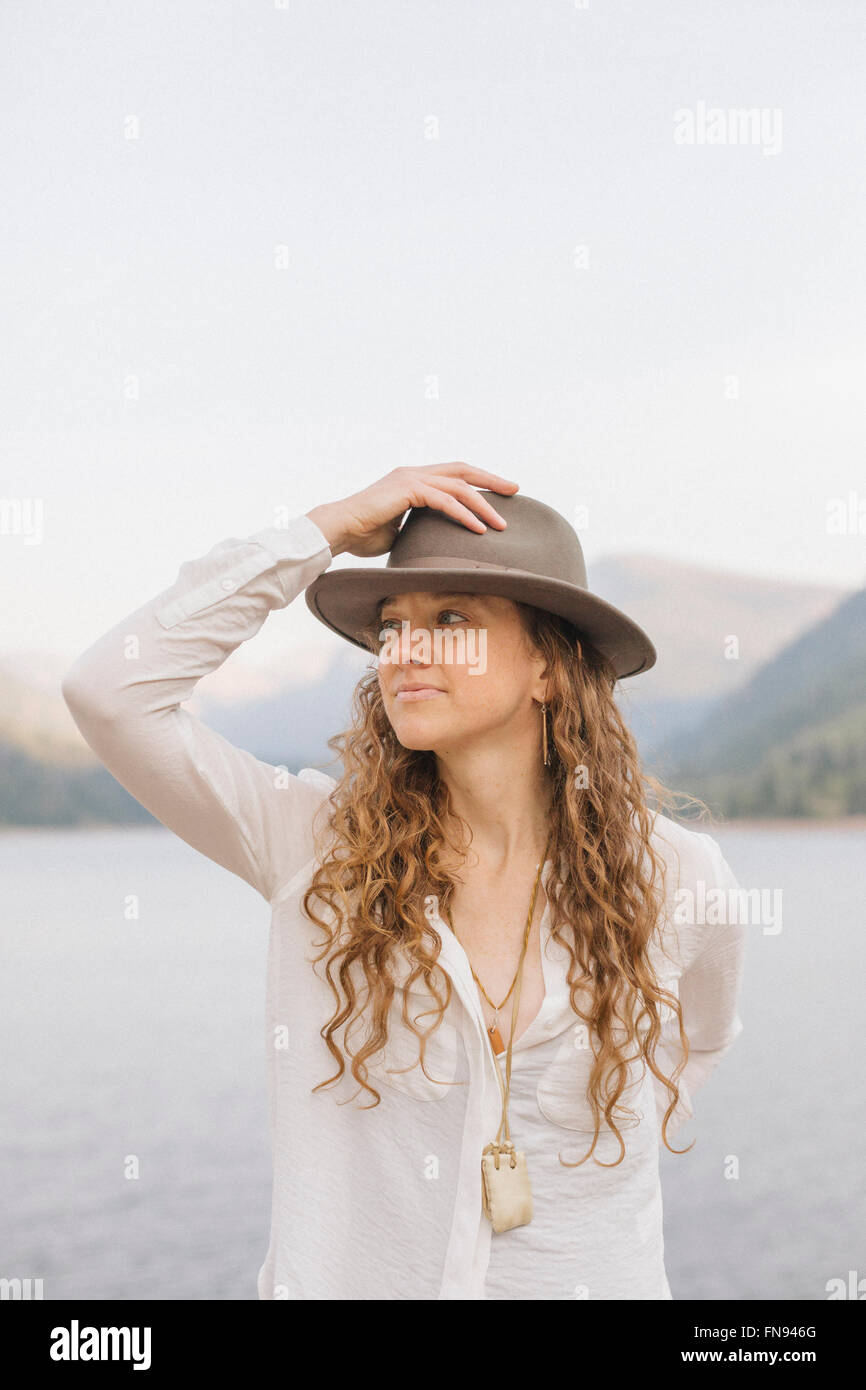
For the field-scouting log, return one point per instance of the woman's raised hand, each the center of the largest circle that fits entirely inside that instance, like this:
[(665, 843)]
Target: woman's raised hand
[(367, 522)]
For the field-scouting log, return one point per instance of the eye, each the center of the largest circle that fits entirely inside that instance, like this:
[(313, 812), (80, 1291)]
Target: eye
[(388, 622)]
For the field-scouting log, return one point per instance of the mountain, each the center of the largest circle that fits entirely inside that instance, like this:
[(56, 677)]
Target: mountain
[(691, 613), (292, 726), (33, 716), (792, 742)]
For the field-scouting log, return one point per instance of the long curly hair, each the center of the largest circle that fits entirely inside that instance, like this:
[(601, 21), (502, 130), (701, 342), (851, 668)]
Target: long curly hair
[(387, 818)]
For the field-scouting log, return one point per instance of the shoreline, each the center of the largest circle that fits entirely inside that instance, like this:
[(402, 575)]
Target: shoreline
[(855, 822)]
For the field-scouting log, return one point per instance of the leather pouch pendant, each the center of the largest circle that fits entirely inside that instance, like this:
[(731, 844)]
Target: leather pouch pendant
[(506, 1194)]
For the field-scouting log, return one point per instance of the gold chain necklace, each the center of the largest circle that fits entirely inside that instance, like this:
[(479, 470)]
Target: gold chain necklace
[(493, 1029)]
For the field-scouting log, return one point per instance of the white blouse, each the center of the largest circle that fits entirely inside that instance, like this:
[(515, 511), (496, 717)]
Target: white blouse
[(385, 1202)]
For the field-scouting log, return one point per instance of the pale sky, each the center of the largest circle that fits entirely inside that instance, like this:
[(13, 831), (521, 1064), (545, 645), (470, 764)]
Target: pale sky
[(348, 236)]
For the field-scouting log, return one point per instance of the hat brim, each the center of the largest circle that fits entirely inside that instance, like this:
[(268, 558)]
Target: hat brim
[(345, 601)]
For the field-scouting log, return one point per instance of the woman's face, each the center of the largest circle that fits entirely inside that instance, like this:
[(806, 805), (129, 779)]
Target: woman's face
[(475, 657)]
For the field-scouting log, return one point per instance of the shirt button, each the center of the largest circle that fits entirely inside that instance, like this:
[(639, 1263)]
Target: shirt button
[(228, 585)]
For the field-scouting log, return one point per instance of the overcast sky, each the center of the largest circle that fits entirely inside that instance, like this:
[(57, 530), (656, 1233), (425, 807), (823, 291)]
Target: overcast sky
[(255, 255)]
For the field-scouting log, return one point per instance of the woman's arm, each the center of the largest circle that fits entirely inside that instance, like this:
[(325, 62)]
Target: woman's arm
[(709, 982), (126, 691)]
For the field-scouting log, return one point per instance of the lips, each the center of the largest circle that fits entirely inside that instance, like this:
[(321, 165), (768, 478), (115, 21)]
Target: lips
[(408, 694)]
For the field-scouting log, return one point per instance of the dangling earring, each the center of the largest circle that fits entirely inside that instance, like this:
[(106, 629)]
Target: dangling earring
[(545, 755)]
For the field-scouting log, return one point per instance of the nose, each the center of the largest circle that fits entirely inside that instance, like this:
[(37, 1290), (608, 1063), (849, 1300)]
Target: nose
[(398, 661), (410, 650)]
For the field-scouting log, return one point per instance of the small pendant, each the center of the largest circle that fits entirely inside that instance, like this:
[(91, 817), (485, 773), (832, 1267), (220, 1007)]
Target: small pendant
[(496, 1039), (506, 1196)]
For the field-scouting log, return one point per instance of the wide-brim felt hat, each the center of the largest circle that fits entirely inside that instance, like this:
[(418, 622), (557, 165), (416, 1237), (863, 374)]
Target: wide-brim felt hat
[(537, 559)]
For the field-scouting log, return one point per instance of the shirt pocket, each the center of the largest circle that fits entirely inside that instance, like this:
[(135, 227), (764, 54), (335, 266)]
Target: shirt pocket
[(563, 1090), (397, 1065)]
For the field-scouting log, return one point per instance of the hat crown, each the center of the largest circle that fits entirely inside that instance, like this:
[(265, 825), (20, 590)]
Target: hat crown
[(537, 540)]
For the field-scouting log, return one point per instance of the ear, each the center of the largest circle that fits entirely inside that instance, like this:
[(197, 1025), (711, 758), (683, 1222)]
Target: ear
[(541, 684)]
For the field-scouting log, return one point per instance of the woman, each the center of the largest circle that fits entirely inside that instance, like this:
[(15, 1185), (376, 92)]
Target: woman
[(488, 1002)]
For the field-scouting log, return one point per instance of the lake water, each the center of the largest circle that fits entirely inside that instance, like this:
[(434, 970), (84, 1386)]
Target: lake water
[(140, 1038)]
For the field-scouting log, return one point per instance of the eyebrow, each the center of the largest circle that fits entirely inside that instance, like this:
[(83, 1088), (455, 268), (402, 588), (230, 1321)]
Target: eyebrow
[(439, 598)]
